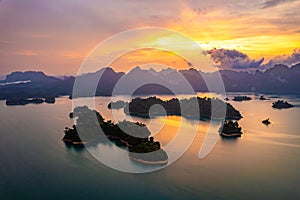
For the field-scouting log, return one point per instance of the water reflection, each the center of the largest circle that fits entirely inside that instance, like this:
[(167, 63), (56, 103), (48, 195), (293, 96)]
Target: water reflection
[(229, 140), (78, 148), (263, 163)]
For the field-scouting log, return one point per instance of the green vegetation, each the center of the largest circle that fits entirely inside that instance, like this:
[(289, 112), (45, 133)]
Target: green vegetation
[(22, 101), (231, 129), (71, 135), (92, 127), (241, 98), (281, 104), (193, 108), (50, 100)]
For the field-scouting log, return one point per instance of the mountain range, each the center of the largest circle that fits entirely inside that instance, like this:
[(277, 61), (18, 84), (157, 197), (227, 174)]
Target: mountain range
[(280, 79)]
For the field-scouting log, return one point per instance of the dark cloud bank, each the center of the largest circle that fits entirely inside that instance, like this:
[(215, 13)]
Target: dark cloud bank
[(273, 3), (232, 59), (235, 60)]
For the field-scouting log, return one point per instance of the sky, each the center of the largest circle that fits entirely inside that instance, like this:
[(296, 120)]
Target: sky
[(56, 36)]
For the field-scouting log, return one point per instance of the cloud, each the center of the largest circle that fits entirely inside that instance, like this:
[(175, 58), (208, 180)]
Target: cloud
[(59, 27), (60, 31), (232, 59), (27, 53), (273, 3), (286, 59)]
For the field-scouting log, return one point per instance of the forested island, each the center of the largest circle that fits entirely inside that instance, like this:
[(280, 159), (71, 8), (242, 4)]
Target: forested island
[(230, 129), (241, 98), (135, 136), (193, 108)]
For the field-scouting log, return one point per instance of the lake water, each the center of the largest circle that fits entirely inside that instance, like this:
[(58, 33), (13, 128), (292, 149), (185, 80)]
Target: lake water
[(263, 163)]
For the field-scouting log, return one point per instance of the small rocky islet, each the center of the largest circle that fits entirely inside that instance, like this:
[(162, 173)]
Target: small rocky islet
[(262, 98), (241, 98), (266, 122), (280, 104), (134, 136)]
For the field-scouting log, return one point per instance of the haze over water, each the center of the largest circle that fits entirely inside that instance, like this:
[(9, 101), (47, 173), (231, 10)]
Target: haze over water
[(263, 163)]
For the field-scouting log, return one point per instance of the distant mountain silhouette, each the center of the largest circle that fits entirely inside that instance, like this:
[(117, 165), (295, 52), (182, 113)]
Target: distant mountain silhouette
[(62, 87), (152, 82), (106, 79), (33, 76), (279, 79), (195, 78), (37, 85)]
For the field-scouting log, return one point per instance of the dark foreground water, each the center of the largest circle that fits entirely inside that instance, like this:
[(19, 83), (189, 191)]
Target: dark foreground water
[(264, 163)]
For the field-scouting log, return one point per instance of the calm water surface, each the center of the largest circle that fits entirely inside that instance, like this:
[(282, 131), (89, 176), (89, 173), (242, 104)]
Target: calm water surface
[(264, 163)]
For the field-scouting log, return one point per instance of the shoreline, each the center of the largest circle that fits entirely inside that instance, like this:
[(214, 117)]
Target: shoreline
[(74, 143), (149, 162), (231, 135), (125, 143)]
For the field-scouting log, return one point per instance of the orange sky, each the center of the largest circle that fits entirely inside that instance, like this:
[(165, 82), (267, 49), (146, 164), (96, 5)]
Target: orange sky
[(149, 58), (56, 36)]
